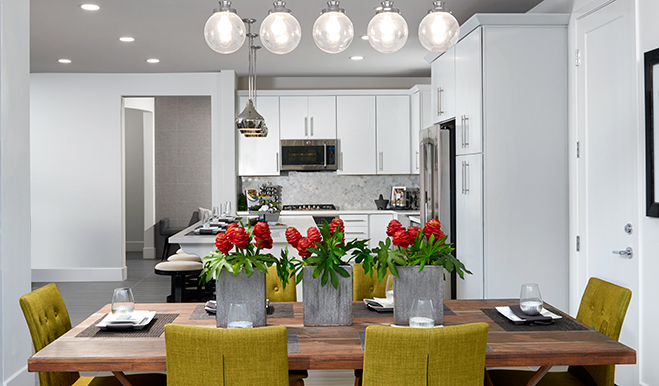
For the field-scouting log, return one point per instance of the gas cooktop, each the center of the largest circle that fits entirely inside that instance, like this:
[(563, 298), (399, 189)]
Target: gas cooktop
[(310, 207)]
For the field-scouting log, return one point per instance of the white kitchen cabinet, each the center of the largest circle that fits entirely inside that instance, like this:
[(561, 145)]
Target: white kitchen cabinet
[(469, 223), (377, 225), (420, 119), (260, 156), (355, 129), (469, 94), (356, 226), (443, 88), (307, 117), (393, 134)]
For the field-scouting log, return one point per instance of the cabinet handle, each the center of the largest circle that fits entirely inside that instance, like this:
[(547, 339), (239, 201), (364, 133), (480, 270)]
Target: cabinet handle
[(463, 177), (439, 108), (466, 180), (465, 136), (277, 159), (306, 126), (439, 98), (324, 149), (381, 160), (355, 233), (417, 160), (462, 131), (311, 127), (341, 162)]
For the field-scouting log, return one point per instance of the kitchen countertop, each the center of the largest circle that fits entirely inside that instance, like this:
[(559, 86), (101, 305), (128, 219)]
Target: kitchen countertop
[(338, 212)]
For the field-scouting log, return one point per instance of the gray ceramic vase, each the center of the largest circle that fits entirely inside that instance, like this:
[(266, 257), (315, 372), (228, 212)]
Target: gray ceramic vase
[(327, 306)]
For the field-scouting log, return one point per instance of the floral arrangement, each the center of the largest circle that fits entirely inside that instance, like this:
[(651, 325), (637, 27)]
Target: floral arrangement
[(247, 255), (413, 246), (324, 248)]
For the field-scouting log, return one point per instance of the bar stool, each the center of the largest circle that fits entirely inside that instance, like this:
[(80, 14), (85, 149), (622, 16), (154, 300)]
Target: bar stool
[(181, 273), (166, 231)]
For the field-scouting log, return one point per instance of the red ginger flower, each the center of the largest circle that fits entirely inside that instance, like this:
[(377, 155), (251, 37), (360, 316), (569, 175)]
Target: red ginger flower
[(264, 243), (230, 228), (402, 238), (303, 245), (223, 243), (313, 234), (261, 231), (293, 236), (239, 237), (433, 228), (336, 223), (413, 232), (393, 227)]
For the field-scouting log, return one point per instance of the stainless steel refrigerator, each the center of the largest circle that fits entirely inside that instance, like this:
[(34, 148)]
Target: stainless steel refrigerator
[(437, 172)]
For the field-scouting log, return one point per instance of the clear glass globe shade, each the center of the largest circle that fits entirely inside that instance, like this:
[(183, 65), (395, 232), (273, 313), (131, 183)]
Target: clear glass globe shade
[(224, 32), (387, 32), (280, 32), (333, 32), (438, 31)]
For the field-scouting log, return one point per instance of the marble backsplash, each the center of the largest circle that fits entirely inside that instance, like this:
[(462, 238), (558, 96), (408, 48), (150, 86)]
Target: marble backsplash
[(346, 192)]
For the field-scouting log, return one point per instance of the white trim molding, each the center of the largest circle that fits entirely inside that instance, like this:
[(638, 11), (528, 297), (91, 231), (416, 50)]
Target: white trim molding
[(79, 274)]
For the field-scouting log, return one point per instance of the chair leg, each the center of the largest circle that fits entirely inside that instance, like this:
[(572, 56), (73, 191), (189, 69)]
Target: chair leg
[(298, 382), (358, 381), (178, 288), (165, 249)]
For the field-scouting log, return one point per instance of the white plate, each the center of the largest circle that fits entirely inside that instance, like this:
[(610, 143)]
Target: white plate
[(140, 319), (374, 304), (505, 311)]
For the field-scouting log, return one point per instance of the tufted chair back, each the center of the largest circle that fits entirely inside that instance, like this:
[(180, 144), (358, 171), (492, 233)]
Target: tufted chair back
[(275, 290), (603, 307), (367, 286), (47, 319)]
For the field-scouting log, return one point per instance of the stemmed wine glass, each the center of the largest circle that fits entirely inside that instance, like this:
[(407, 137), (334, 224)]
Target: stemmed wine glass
[(226, 209)]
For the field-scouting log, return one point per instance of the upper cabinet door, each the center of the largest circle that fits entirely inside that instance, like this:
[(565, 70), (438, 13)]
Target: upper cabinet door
[(469, 97), (260, 156), (355, 131), (442, 92), (393, 134), (294, 121), (322, 117)]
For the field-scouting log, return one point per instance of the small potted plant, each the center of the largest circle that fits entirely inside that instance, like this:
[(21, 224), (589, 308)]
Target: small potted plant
[(239, 266), (324, 259), (417, 259)]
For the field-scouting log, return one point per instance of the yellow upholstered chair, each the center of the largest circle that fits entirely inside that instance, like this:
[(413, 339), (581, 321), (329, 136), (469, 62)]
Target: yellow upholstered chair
[(603, 307), (275, 290), (367, 286), (48, 319), (232, 357), (448, 356)]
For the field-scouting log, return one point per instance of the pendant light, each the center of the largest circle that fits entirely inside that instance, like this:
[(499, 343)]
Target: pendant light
[(250, 123), (387, 30), (439, 30), (224, 30), (333, 31), (280, 31)]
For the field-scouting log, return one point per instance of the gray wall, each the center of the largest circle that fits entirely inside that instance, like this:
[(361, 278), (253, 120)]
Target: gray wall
[(134, 153), (183, 157), (346, 192)]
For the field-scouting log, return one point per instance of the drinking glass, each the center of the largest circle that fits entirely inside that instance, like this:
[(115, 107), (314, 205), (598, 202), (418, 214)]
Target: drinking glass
[(216, 213), (389, 289), (206, 219), (123, 303), (227, 209), (422, 314), (238, 316), (530, 300)]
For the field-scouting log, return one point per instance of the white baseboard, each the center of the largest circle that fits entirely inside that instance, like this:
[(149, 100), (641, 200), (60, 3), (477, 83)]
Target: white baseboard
[(21, 378), (149, 253), (134, 246), (79, 274)]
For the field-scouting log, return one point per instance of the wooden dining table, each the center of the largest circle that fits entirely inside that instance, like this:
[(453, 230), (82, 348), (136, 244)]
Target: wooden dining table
[(567, 342)]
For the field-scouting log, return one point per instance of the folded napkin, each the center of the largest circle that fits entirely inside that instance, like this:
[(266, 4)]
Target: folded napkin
[(528, 319)]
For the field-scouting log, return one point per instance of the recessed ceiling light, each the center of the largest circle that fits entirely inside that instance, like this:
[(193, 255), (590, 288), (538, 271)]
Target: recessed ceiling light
[(90, 7), (127, 39), (364, 37), (65, 61), (356, 57), (152, 61)]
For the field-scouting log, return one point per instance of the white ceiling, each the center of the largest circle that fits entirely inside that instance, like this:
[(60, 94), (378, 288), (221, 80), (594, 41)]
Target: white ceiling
[(172, 31)]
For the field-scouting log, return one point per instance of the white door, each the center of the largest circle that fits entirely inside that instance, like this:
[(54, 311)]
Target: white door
[(355, 116), (260, 156), (293, 119), (469, 94), (607, 165), (393, 134), (322, 117)]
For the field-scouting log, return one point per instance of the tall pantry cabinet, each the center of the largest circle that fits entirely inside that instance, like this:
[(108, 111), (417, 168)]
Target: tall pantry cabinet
[(511, 164)]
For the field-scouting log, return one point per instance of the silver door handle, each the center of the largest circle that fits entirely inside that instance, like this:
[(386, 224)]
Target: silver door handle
[(381, 160), (467, 184), (417, 160), (628, 253), (463, 177), (277, 155), (462, 128), (439, 98), (311, 127), (465, 136), (341, 161), (306, 126), (439, 107)]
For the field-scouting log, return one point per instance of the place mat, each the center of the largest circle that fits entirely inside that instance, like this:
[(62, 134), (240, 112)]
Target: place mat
[(275, 311), (293, 342), (360, 310), (152, 330), (563, 324)]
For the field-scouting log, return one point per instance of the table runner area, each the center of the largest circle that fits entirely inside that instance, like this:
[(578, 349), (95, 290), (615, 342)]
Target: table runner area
[(563, 324), (362, 311), (152, 330)]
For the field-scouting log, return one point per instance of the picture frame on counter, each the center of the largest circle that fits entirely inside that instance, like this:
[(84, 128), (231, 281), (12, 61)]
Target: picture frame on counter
[(651, 139), (398, 196)]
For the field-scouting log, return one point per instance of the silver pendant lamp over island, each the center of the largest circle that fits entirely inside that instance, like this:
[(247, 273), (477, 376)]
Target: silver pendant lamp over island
[(250, 123)]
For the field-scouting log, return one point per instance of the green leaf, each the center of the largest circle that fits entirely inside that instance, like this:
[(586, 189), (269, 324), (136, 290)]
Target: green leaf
[(341, 271), (335, 279)]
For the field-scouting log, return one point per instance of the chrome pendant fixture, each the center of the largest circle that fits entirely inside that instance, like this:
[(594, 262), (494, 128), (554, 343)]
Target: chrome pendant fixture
[(250, 123), (439, 30), (224, 30), (387, 31), (280, 31), (333, 31)]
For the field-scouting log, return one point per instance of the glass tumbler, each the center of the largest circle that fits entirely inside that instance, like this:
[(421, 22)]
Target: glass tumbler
[(238, 316), (389, 289), (422, 314), (123, 303), (530, 300)]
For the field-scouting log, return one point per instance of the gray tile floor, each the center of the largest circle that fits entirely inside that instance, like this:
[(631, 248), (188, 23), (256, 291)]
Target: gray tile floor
[(84, 298)]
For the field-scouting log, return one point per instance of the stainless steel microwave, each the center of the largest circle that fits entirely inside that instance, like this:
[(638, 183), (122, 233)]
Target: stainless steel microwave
[(308, 154)]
